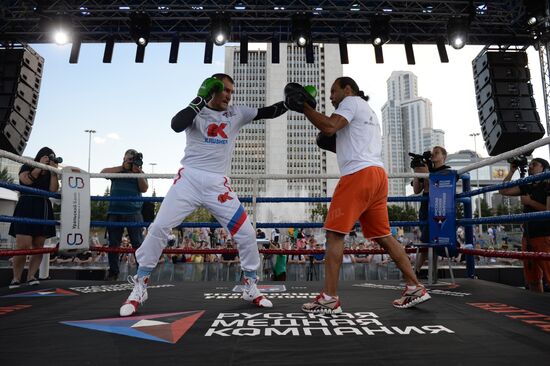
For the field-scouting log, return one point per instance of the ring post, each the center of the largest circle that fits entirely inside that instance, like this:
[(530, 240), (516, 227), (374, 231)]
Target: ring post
[(468, 229), (75, 211), (442, 213)]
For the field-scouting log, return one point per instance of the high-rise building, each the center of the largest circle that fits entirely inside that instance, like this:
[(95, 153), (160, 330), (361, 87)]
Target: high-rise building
[(285, 145), (407, 127)]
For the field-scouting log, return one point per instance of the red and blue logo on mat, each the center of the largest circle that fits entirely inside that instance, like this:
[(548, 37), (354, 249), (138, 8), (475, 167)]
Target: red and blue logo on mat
[(168, 327), (47, 292)]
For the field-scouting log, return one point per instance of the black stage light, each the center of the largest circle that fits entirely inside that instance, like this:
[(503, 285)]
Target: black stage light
[(208, 49), (343, 43), (309, 53), (443, 57), (244, 49), (109, 46), (140, 53), (174, 49), (75, 50), (409, 52), (378, 54), (275, 50)]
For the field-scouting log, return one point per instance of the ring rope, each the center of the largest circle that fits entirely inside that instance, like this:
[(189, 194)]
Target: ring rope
[(478, 252)]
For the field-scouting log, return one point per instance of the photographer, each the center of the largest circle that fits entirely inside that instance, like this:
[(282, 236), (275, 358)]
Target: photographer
[(32, 206), (536, 233), (125, 211), (431, 163)]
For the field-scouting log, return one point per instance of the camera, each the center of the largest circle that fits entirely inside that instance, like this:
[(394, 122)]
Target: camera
[(137, 159), (57, 160), (521, 162), (418, 160)]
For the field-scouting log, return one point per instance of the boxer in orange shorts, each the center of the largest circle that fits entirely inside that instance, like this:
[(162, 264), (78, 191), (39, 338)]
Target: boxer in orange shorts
[(354, 134)]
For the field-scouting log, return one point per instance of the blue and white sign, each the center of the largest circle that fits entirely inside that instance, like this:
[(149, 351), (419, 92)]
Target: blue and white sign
[(442, 210), (75, 210)]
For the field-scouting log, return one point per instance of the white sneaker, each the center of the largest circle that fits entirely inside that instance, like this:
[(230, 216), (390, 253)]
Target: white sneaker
[(137, 296), (251, 293)]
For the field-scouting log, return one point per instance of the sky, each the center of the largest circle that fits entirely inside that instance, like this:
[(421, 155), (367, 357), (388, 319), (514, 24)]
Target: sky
[(130, 105)]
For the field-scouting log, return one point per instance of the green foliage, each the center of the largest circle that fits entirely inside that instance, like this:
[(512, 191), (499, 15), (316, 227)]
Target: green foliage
[(98, 209), (400, 213), (5, 176), (319, 213), (201, 214)]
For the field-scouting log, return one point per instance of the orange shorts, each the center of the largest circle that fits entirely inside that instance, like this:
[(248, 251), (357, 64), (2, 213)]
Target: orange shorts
[(534, 270), (361, 196)]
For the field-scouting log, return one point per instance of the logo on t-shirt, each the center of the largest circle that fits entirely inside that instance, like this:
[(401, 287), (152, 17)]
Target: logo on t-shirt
[(216, 133)]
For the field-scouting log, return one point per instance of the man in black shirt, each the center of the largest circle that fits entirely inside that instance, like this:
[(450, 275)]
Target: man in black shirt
[(439, 155), (536, 233)]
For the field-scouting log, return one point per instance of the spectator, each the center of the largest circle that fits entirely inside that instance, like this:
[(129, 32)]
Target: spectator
[(230, 257), (275, 234), (536, 233), (125, 211), (421, 185), (279, 268), (32, 206), (260, 234)]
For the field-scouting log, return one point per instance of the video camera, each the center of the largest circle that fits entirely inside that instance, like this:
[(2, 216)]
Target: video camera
[(421, 160), (57, 160), (521, 162)]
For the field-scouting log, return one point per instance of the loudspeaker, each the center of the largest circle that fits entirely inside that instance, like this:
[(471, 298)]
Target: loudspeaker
[(20, 78), (504, 96)]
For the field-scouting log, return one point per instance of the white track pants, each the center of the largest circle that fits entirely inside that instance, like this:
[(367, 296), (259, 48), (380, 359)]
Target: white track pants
[(193, 188)]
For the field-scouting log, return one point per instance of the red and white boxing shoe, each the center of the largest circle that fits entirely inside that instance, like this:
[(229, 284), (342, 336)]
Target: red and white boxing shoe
[(137, 296), (252, 293)]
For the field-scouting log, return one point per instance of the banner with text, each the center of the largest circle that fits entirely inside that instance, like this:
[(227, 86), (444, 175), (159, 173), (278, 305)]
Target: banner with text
[(75, 210), (442, 212)]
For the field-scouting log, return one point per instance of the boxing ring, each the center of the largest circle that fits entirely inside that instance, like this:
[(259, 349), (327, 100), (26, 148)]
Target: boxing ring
[(469, 320)]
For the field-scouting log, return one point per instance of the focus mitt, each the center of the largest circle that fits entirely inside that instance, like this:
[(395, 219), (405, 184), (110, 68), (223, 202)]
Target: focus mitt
[(296, 95)]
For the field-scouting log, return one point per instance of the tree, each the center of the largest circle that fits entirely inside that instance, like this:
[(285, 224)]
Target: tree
[(98, 209), (400, 213), (319, 213), (5, 176), (201, 214)]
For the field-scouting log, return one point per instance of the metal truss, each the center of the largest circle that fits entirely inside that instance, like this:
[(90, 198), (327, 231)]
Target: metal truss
[(423, 22)]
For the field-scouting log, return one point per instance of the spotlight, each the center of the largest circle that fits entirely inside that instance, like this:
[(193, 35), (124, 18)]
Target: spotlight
[(140, 53), (220, 27), (535, 11), (309, 53), (457, 31), (61, 37), (140, 27), (380, 29), (61, 31), (301, 29)]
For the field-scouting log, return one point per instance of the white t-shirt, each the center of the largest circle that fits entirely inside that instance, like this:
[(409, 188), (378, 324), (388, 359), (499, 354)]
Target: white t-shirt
[(359, 144), (211, 137)]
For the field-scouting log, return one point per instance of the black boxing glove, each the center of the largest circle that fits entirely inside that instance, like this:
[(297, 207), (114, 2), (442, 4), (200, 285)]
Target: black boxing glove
[(326, 142)]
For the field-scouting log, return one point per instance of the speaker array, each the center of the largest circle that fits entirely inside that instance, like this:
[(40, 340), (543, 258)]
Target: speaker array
[(506, 107), (20, 77)]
